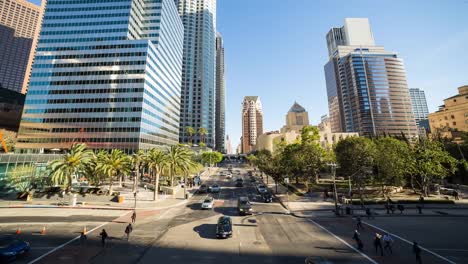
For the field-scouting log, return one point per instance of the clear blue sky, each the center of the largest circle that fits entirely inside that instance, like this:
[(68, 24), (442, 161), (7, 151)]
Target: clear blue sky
[(276, 49)]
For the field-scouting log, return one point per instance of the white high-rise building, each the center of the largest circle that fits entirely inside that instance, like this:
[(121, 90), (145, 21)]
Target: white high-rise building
[(220, 120), (199, 69)]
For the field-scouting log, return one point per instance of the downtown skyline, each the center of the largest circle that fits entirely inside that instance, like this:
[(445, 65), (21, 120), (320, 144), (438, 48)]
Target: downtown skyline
[(252, 66)]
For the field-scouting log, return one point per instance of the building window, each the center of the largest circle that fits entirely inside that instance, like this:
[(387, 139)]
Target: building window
[(452, 116), (454, 123)]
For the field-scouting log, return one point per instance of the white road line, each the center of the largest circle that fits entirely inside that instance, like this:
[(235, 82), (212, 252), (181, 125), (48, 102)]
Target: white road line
[(344, 242), (70, 241), (411, 243)]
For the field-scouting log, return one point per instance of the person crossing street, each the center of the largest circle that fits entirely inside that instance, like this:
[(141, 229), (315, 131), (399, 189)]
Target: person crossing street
[(128, 230)]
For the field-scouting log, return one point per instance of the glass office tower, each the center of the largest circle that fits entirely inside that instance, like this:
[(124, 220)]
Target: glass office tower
[(106, 73), (420, 110)]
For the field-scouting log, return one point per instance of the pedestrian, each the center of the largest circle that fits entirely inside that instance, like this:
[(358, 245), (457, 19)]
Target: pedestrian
[(83, 239), (369, 213), (417, 252), (392, 208), (128, 230), (378, 243), (325, 195), (358, 240), (104, 236), (134, 217), (401, 208), (388, 242), (146, 187), (455, 194), (359, 223)]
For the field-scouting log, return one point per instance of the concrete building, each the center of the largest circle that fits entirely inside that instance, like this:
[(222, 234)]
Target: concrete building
[(452, 116), (11, 108), (296, 118), (366, 85), (199, 68), (329, 138), (420, 110), (228, 145), (106, 73), (20, 23), (220, 120), (252, 123)]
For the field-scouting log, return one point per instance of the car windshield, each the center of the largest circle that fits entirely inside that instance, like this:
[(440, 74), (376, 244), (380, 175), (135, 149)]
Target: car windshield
[(215, 186), (207, 201)]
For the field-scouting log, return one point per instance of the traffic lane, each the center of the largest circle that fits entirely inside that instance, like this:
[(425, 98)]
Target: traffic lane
[(294, 239), (402, 251), (445, 235)]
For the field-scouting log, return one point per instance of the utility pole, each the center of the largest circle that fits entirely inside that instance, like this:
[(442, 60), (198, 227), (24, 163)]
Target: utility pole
[(335, 194)]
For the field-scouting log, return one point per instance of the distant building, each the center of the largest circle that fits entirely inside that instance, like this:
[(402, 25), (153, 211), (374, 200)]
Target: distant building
[(252, 123), (20, 23), (228, 145), (329, 138), (366, 85), (420, 110), (452, 116), (296, 118), (220, 119), (11, 107)]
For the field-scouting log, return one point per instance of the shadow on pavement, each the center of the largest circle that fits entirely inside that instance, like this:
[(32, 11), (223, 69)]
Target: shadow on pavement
[(229, 211), (206, 231)]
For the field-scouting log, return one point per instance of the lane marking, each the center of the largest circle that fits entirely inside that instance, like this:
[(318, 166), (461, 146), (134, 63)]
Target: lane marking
[(450, 249), (344, 242), (411, 243), (71, 240)]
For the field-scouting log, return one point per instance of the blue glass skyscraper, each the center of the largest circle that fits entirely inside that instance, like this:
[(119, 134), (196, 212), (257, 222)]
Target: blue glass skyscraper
[(106, 73)]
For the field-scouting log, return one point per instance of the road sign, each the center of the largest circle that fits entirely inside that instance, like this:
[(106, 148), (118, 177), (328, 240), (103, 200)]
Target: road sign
[(286, 180)]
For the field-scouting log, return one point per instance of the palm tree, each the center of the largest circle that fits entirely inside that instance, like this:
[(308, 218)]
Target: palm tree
[(202, 132), (137, 160), (157, 161), (64, 169), (190, 131), (114, 164), (179, 158)]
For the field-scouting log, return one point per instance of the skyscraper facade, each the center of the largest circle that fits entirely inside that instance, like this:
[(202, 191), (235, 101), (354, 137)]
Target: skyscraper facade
[(220, 119), (252, 123), (106, 73), (420, 110), (366, 85), (20, 23), (199, 69)]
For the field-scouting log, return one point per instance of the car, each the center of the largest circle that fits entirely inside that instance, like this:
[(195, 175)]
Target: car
[(222, 173), (229, 176), (243, 206), (215, 188), (261, 188), (239, 184), (239, 180), (250, 173), (203, 188), (208, 203), (267, 198), (252, 179), (12, 247), (224, 227)]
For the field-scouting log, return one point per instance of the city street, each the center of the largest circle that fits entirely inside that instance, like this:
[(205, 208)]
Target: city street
[(186, 234)]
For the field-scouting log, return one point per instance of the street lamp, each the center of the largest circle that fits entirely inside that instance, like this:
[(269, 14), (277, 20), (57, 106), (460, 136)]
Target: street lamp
[(335, 195)]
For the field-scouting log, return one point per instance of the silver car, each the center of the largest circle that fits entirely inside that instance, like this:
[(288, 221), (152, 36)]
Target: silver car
[(208, 203), (215, 188)]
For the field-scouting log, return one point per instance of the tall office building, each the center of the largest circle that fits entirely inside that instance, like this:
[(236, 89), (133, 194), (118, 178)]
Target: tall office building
[(420, 110), (252, 123), (220, 119), (106, 73), (199, 68), (366, 85), (20, 22)]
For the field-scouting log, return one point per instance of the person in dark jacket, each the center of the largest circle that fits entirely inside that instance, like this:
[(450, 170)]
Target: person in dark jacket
[(128, 230), (378, 243), (104, 236), (417, 252), (134, 217), (358, 240)]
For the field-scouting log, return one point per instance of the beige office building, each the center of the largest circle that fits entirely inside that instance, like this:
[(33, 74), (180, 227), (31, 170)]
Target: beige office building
[(20, 23), (452, 116), (296, 118), (252, 123)]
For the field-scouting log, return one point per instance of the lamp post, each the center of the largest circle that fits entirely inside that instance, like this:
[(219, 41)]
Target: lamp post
[(335, 194)]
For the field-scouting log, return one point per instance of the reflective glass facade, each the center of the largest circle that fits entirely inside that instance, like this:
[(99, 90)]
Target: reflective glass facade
[(107, 73)]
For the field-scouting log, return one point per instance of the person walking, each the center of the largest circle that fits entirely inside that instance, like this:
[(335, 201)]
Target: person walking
[(104, 236), (358, 240), (378, 244), (417, 252), (359, 223), (134, 217), (455, 195), (388, 242), (83, 239), (128, 230)]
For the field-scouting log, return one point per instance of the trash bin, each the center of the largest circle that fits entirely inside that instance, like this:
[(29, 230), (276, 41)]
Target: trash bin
[(121, 199), (73, 199)]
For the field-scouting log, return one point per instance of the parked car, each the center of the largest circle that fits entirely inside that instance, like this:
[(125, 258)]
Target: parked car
[(243, 206), (208, 203), (224, 227), (215, 188), (229, 176), (261, 188), (252, 179), (11, 247), (267, 197), (239, 184), (203, 188)]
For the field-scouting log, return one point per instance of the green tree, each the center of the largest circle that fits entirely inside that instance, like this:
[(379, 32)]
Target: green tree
[(275, 169), (138, 159), (21, 178), (431, 163), (156, 160), (113, 164), (69, 165), (190, 131), (179, 158), (212, 157), (91, 171), (202, 132)]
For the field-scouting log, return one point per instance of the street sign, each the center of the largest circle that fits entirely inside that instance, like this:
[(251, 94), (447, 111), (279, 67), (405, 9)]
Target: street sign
[(286, 180)]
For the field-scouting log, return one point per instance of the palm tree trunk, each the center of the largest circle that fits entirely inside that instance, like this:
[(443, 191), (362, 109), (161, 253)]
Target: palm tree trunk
[(120, 181), (111, 182), (156, 186)]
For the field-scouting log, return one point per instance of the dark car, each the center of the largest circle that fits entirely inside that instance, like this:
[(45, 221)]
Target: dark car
[(224, 227), (252, 179), (11, 247), (203, 188), (243, 206), (267, 198), (239, 184)]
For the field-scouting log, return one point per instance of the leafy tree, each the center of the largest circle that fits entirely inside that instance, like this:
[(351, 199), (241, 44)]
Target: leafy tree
[(212, 157), (179, 158), (202, 132), (275, 169), (21, 178), (113, 164), (431, 163), (71, 164), (91, 171), (190, 131), (156, 160), (138, 159)]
